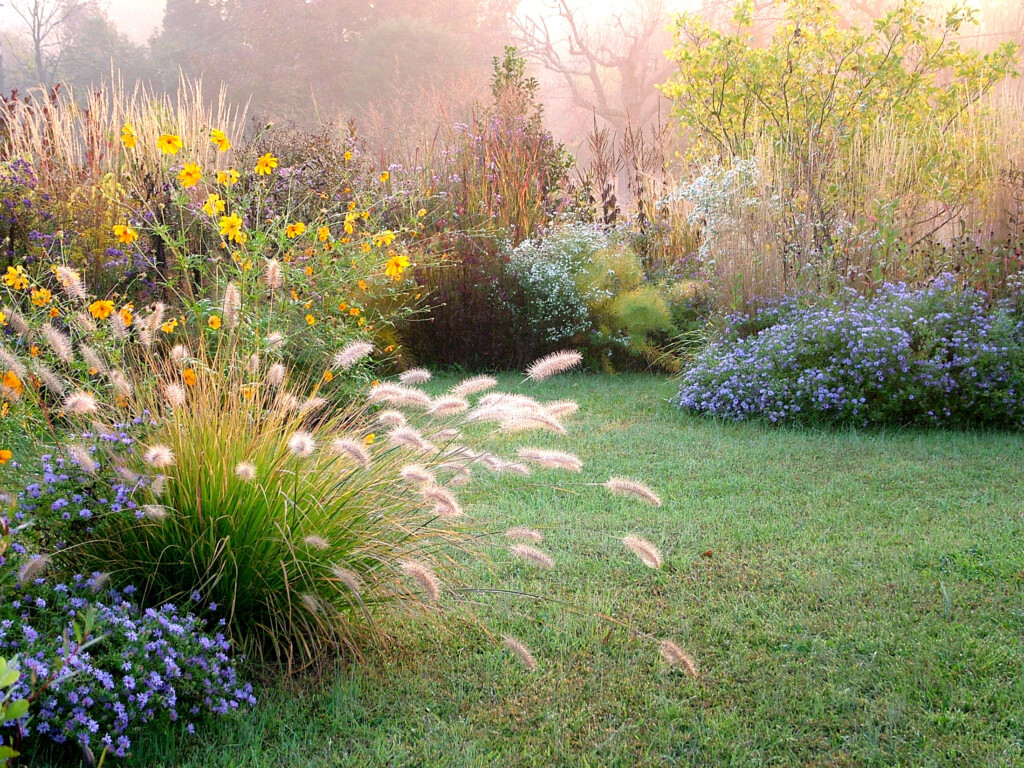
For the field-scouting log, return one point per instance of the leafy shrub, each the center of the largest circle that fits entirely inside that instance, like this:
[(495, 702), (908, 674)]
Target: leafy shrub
[(582, 286), (940, 356), (97, 688)]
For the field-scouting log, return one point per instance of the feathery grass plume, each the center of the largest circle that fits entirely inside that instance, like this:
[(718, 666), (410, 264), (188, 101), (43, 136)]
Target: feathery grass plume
[(316, 542), (410, 438), (349, 578), (127, 475), (391, 419), (353, 449), (231, 306), (512, 401), (621, 486), (528, 422), (120, 383), (415, 376), (448, 434), (71, 282), (415, 474), (272, 274), (118, 326), (99, 582), (159, 456), (154, 512), (551, 459), (560, 408), (245, 470), (553, 364), (424, 576), (312, 404), (351, 354), (442, 501), (93, 359), (158, 485), (15, 319), (301, 444), (498, 413), (532, 555), (677, 657), (276, 374), (174, 394), (11, 363), (84, 322), (502, 466), (145, 335), (522, 533), (399, 394), (446, 405), (9, 393), (275, 340), (59, 342), (521, 652), (80, 404), (82, 458), (288, 402), (311, 601), (33, 569), (253, 366), (179, 353), (643, 549), (473, 386), (156, 318), (48, 377)]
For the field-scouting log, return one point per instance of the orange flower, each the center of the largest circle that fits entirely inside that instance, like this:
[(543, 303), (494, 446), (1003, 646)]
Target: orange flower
[(190, 175), (295, 230), (328, 376), (214, 322), (370, 439), (11, 381), (220, 140), (101, 309), (310, 320), (34, 350), (266, 164), (41, 297), (308, 271), (128, 136), (227, 178), (5, 455), (169, 143), (54, 312), (125, 234), (354, 311), (323, 234), (384, 177), (125, 314), (189, 377)]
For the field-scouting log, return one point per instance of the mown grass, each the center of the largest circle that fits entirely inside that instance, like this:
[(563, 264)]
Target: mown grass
[(851, 598)]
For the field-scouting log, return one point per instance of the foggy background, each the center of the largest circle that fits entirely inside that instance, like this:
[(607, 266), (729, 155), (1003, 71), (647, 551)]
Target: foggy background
[(398, 68)]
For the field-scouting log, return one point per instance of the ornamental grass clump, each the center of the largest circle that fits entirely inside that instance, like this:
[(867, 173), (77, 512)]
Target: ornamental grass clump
[(937, 356)]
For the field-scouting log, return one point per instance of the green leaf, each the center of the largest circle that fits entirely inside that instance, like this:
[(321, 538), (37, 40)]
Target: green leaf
[(17, 709)]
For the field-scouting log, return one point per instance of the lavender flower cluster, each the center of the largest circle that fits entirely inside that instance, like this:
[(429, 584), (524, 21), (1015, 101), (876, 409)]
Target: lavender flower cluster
[(938, 356), (148, 665)]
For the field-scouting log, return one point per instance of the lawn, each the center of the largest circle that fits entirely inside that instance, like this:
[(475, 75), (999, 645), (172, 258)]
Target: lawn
[(850, 598)]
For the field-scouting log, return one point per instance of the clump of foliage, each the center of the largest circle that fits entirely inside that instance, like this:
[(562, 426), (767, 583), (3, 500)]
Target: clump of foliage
[(94, 667), (582, 286), (938, 356), (829, 153)]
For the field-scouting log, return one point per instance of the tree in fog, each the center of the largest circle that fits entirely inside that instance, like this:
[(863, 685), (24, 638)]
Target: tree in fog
[(610, 65), (48, 26)]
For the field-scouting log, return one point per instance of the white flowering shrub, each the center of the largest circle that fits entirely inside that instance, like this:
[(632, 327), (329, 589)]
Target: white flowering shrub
[(557, 302)]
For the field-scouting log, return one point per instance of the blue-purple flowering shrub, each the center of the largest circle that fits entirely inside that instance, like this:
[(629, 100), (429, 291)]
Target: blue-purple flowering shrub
[(96, 667), (937, 356)]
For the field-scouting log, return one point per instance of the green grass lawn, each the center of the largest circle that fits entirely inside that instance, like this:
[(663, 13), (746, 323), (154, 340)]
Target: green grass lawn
[(862, 604)]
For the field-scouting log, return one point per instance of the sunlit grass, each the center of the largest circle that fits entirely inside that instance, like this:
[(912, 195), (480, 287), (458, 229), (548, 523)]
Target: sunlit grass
[(850, 599)]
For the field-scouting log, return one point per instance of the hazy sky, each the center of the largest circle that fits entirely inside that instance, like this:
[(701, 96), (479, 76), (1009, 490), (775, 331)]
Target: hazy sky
[(137, 18)]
